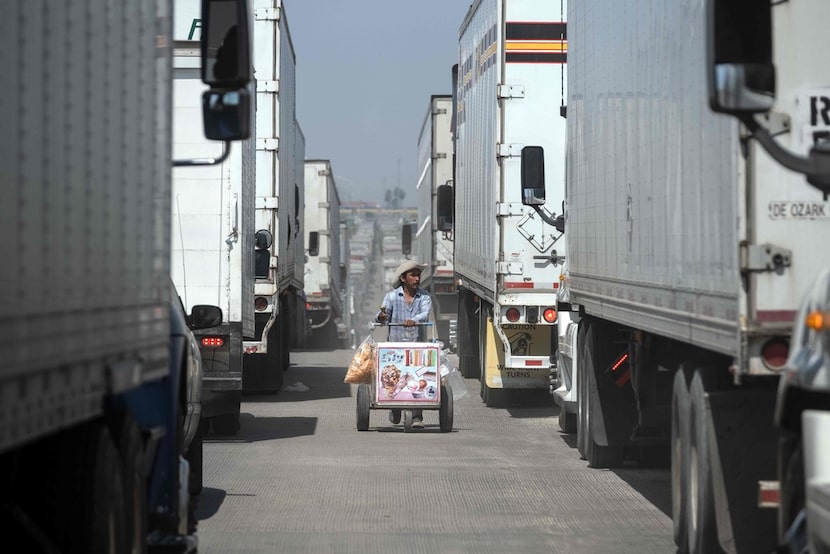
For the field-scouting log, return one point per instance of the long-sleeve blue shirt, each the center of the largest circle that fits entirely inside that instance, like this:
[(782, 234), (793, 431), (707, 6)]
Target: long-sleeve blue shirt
[(399, 311)]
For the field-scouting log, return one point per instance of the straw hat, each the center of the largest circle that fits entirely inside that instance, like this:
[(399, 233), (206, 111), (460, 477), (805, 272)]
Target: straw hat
[(406, 265)]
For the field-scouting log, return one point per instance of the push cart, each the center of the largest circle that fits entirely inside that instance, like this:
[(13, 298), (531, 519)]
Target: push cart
[(406, 376)]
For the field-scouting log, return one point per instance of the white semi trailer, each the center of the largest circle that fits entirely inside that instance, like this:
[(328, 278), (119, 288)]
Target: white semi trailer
[(237, 239), (433, 236), (511, 64), (325, 270), (100, 379), (689, 246)]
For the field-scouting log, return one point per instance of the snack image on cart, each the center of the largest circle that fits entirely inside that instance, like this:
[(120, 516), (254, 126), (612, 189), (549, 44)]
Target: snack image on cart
[(407, 373)]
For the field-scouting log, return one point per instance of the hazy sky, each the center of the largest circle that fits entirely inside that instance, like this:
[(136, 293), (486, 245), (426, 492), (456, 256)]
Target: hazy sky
[(365, 72)]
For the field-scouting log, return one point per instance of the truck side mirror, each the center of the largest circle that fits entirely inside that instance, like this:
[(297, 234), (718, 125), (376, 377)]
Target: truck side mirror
[(406, 239), (204, 316), (741, 75), (262, 256), (533, 176), (226, 114), (445, 199), (313, 243), (225, 44)]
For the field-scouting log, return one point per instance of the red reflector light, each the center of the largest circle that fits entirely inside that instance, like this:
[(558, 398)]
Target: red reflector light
[(769, 494), (533, 362), (514, 285), (260, 303), (512, 315), (775, 352), (549, 314), (212, 342)]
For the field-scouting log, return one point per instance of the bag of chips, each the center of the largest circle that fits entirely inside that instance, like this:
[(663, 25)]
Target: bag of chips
[(362, 367)]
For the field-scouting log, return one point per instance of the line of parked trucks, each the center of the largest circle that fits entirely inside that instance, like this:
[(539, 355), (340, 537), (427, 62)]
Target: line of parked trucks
[(615, 237)]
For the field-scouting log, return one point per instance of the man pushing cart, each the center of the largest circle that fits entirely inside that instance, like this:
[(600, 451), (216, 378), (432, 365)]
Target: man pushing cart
[(406, 371)]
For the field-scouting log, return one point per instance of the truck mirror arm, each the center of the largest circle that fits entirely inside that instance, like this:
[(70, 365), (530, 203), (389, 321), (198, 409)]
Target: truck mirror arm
[(205, 161), (557, 222), (816, 167)]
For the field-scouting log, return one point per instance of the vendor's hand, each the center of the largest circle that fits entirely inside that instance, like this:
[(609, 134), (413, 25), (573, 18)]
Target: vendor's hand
[(382, 317), (409, 323)]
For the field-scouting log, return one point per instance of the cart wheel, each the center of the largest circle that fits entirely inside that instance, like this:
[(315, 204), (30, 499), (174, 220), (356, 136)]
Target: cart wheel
[(407, 421), (445, 411), (363, 407)]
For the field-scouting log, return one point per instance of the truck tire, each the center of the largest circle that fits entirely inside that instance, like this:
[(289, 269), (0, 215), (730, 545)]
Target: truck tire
[(702, 527), (195, 458), (679, 446), (579, 370), (790, 479), (90, 493), (598, 456), (226, 424), (468, 341), (131, 451), (567, 421)]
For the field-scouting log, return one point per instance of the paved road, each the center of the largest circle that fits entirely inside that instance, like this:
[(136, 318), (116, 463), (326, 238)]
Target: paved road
[(299, 478)]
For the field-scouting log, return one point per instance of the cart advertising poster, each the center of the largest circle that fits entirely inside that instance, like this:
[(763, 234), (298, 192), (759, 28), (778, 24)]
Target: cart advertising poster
[(408, 373)]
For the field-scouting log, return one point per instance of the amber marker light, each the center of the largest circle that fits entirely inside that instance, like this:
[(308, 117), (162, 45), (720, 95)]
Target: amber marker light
[(817, 321)]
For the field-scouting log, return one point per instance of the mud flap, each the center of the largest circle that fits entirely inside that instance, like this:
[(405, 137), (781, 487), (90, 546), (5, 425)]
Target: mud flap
[(743, 443)]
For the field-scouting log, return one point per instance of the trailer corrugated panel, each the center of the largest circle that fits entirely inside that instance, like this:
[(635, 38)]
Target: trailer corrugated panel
[(660, 198), (511, 79), (84, 174)]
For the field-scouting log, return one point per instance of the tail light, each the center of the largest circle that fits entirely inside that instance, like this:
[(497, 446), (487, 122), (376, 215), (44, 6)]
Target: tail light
[(212, 342), (549, 314), (260, 303), (512, 315), (774, 353)]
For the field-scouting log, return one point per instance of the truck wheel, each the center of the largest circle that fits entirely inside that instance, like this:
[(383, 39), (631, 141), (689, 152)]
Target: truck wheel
[(127, 436), (467, 337), (581, 420), (363, 407), (91, 492), (790, 479), (445, 412), (226, 424), (679, 445), (407, 421), (598, 456), (567, 421), (702, 531), (195, 458)]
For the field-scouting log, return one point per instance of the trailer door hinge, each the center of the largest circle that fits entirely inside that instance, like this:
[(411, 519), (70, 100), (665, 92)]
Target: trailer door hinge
[(764, 257), (511, 91), (267, 14), (268, 86), (508, 150), (268, 144), (267, 202), (508, 268)]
